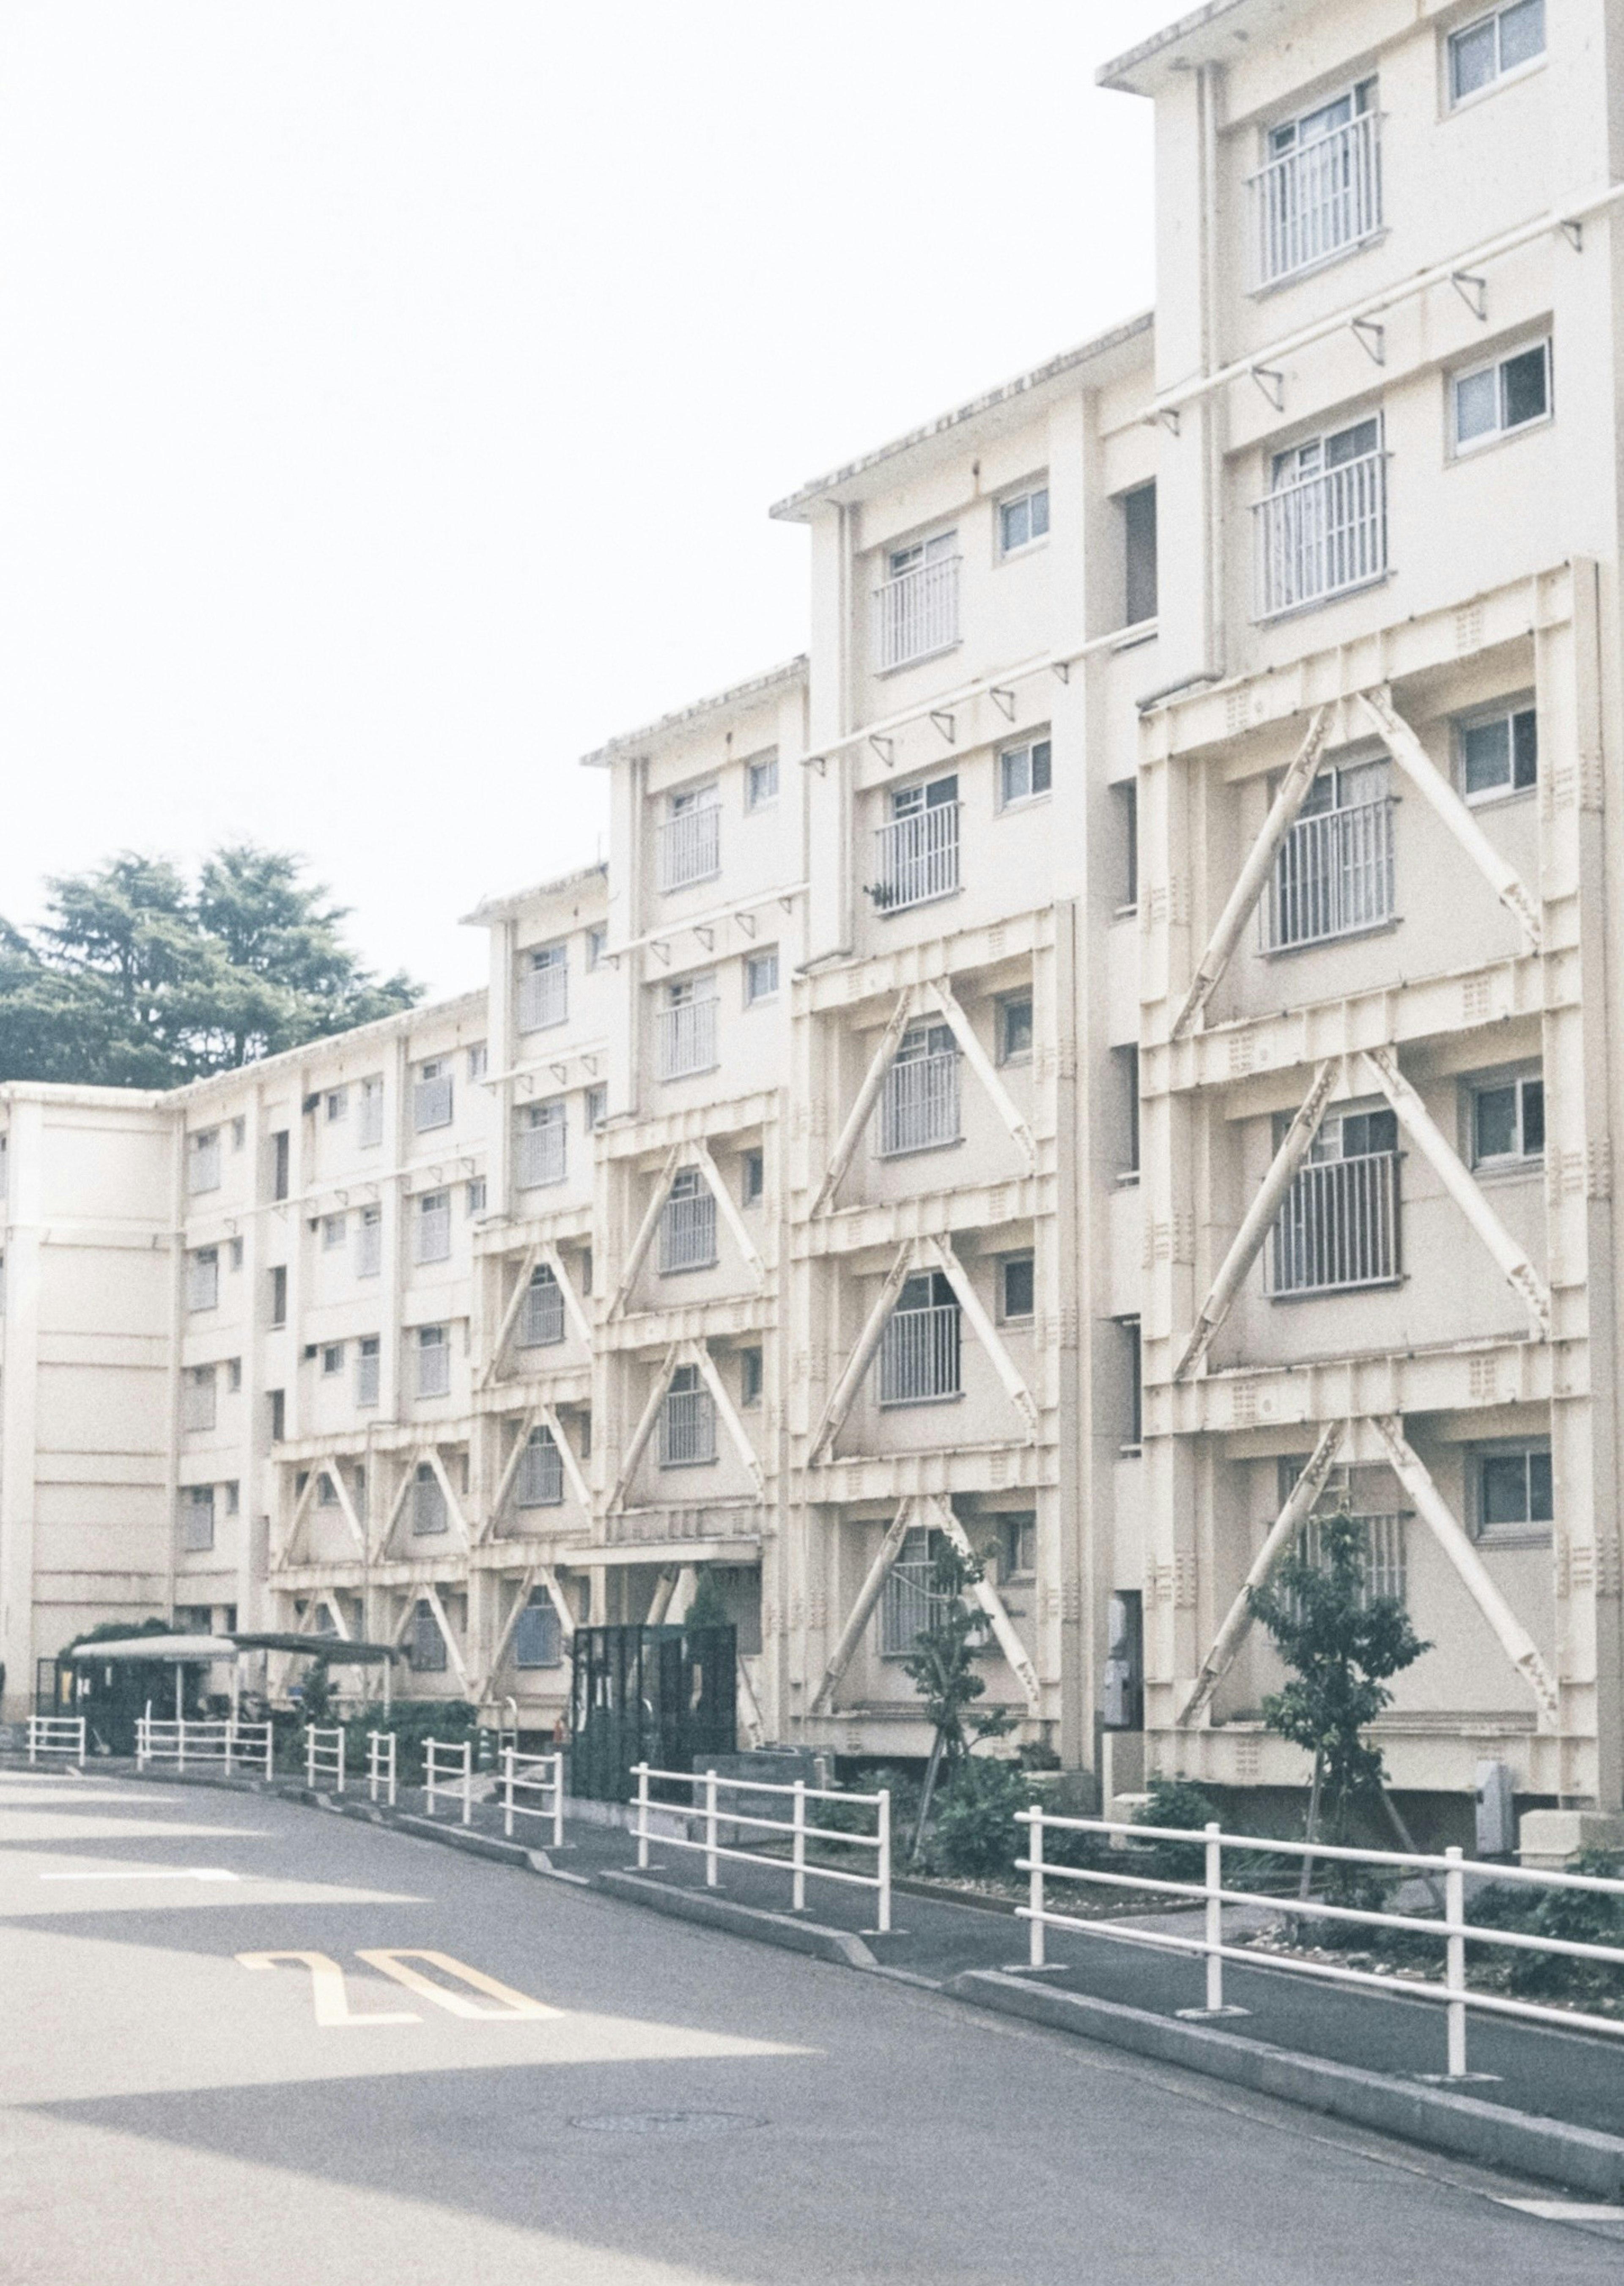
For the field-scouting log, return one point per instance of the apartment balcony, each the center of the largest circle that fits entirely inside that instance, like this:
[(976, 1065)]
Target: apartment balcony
[(1333, 877), (544, 997), (541, 1323), (687, 1039), (917, 857), (691, 846), (909, 1606), (540, 1155), (688, 1233), (1323, 536), (1338, 1228), (687, 1428), (919, 1105), (919, 1355), (431, 1103), (1317, 202), (541, 1474), (916, 614)]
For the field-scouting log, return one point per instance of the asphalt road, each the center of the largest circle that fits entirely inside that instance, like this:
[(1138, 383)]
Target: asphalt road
[(471, 2072)]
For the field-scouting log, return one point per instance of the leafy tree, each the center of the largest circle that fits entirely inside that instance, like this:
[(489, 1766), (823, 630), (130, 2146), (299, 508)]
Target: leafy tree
[(1342, 1644), (137, 979), (942, 1671)]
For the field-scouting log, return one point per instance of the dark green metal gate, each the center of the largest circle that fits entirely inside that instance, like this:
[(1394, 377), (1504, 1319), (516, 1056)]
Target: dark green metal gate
[(661, 1695)]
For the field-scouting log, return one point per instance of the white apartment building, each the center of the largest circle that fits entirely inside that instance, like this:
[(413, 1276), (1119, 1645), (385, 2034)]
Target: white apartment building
[(1110, 1051)]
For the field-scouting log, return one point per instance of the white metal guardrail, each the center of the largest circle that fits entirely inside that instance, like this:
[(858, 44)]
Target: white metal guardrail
[(1322, 535), (223, 1746), (918, 858), (916, 613), (324, 1760), (62, 1737), (381, 1767), (449, 1770), (1455, 1930), (541, 1776), (706, 1808)]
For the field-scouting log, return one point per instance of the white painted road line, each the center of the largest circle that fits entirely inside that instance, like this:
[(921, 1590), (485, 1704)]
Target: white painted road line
[(1564, 2211), (149, 1874)]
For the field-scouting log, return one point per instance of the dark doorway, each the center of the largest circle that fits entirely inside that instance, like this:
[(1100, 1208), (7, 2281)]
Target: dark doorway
[(667, 1695)]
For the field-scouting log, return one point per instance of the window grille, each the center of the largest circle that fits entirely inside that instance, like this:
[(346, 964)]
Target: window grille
[(541, 1146), (540, 1476), (203, 1279), (203, 1162), (433, 1224), (1322, 530), (919, 1100), (372, 1112), (197, 1397), (429, 1514), (537, 1633), (431, 1097), (688, 1027), (433, 1362), (367, 1363), (916, 611), (688, 1224), (197, 1518), (1333, 872), (428, 1643), (1339, 1225), (920, 1348), (1319, 193), (687, 1421), (909, 1603), (369, 1243), (542, 1320), (691, 839), (544, 989), (918, 851)]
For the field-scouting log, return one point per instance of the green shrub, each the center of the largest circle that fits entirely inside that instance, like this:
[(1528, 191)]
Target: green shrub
[(1178, 1802), (975, 1832)]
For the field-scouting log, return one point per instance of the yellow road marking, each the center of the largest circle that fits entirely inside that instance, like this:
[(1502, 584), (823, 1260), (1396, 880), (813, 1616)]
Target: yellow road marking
[(514, 2006), (328, 1990)]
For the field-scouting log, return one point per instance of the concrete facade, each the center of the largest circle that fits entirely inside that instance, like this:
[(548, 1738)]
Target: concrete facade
[(1131, 1010)]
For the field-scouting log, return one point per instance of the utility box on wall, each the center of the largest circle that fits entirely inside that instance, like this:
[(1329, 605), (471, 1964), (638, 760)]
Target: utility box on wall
[(1497, 1810)]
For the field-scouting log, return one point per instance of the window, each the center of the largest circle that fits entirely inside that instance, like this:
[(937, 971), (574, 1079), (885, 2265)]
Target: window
[(203, 1161), (332, 1359), (688, 1224), (431, 1096), (1017, 1286), (196, 1518), (473, 1197), (327, 1491), (760, 975), (1023, 519), (1383, 1557), (919, 849), (1138, 510), (910, 1604), (428, 1650), (429, 1514), (277, 1400), (197, 1397), (1508, 1123), (915, 611), (280, 1163), (337, 1104), (233, 1375), (1322, 531), (1484, 52), (279, 1295), (1514, 1495), (203, 1279), (1014, 1023), (1333, 873), (333, 1230), (240, 1133), (234, 1254), (1319, 192), (1499, 755), (538, 1636), (749, 1377), (433, 1362), (233, 1499), (918, 1102), (1126, 799), (368, 1362), (1125, 1063), (371, 1113), (1133, 1384), (597, 1108), (687, 1027), (431, 1226), (752, 1177), (761, 782), (1339, 1225), (544, 987), (542, 1145), (920, 1348), (1017, 1546), (1024, 772), (687, 1421), (690, 838), (541, 1319), (369, 1243), (1513, 392), (541, 1474)]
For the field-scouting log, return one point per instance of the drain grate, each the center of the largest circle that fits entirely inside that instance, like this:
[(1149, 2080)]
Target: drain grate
[(664, 2123)]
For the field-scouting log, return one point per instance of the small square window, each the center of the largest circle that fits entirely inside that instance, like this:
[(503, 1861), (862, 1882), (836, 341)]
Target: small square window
[(1515, 1493), (1508, 1123), (333, 1358), (761, 977), (762, 782), (337, 1104), (1500, 754), (1495, 400), (1015, 1028), (750, 1377), (1017, 1547), (1486, 50), (754, 1177), (1017, 1286), (1024, 772), (1023, 520)]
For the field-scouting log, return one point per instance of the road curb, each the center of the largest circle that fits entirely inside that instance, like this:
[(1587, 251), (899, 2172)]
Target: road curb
[(840, 1946), (1580, 2158)]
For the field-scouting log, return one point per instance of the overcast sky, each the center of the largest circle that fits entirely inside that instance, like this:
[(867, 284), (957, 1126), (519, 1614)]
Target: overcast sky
[(392, 391)]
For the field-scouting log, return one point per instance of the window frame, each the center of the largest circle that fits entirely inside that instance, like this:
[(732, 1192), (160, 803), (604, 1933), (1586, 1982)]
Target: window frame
[(1519, 1079), (1501, 76), (1509, 712), (1026, 496), (1023, 1258), (1530, 1533), (760, 771), (1029, 748), (754, 962), (1467, 448), (1005, 1006)]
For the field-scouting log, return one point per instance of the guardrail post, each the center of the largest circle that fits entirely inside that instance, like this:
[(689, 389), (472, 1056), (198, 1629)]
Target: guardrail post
[(710, 1829), (558, 1802), (1454, 1961), (799, 1901), (180, 1744), (1215, 1919), (468, 1782), (429, 1778), (309, 1760), (342, 1746), (642, 1775), (882, 1919), (508, 1792), (1034, 1854)]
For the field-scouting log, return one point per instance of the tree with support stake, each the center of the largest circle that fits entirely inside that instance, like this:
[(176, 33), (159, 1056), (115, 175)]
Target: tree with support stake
[(1342, 1644), (941, 1668)]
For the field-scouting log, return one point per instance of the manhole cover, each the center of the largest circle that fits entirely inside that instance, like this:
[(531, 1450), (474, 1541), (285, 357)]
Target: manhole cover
[(664, 2123)]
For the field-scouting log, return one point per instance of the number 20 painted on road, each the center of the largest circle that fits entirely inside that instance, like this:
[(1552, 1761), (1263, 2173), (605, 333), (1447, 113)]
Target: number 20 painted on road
[(332, 2001)]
